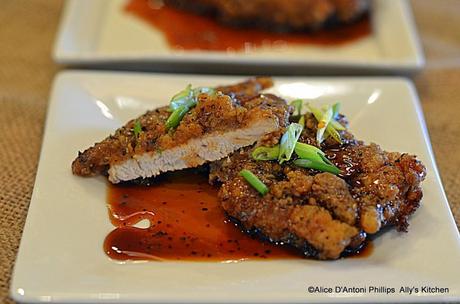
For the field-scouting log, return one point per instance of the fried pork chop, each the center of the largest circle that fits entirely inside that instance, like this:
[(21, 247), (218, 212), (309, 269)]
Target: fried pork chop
[(235, 117), (278, 15), (324, 215)]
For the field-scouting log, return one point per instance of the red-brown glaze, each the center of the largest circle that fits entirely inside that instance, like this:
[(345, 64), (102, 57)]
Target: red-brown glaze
[(365, 252), (187, 223), (187, 31)]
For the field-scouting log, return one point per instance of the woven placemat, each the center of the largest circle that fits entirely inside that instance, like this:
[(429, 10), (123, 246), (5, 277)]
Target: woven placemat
[(27, 30)]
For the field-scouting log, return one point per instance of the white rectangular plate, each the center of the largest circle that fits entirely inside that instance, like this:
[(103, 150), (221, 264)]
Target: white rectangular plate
[(110, 36), (61, 257)]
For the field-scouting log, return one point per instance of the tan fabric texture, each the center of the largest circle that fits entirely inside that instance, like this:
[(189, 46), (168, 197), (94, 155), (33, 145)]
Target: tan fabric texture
[(27, 31)]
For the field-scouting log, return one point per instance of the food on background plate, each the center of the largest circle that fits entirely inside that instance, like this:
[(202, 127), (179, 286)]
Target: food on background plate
[(247, 26), (277, 15), (292, 178)]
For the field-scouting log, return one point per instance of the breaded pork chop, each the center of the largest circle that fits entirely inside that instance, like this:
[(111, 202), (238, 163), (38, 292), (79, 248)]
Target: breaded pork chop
[(277, 15), (322, 214), (220, 123)]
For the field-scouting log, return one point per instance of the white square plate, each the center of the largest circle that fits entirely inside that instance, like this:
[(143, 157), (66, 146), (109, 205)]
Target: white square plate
[(108, 35), (61, 257)]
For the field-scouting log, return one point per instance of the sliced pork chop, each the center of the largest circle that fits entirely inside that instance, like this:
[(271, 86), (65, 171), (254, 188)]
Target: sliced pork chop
[(217, 126)]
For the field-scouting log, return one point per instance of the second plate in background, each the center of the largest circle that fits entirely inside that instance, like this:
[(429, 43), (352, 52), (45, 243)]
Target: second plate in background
[(111, 36)]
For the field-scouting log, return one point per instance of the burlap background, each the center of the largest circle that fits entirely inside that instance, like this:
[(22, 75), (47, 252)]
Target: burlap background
[(27, 30)]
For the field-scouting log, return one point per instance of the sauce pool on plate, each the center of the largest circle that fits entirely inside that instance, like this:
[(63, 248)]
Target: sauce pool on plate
[(184, 30), (186, 223)]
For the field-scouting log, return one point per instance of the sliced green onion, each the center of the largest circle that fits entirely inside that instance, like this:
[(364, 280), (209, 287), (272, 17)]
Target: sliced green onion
[(308, 152), (314, 158), (313, 164), (201, 90), (333, 132), (302, 121), (183, 101), (322, 124), (184, 97), (288, 141), (137, 129), (336, 125), (335, 110), (176, 116), (331, 127), (316, 112), (254, 181), (326, 160), (297, 104), (266, 153)]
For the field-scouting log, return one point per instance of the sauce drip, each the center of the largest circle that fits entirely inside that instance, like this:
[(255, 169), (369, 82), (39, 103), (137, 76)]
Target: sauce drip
[(367, 250), (186, 223), (184, 30)]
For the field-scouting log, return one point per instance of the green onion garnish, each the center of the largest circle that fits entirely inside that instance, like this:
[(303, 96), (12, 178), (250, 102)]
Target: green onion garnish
[(176, 116), (302, 121), (254, 181), (313, 164), (333, 132), (322, 124), (182, 102), (308, 152), (201, 90), (334, 123), (314, 158), (137, 129), (288, 141), (297, 104), (184, 97), (335, 110), (327, 125), (266, 153)]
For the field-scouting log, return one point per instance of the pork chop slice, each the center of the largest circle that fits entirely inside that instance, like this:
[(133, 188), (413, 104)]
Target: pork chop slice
[(218, 125)]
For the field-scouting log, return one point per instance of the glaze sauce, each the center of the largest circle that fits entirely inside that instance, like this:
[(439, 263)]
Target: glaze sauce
[(365, 252), (184, 30), (186, 223)]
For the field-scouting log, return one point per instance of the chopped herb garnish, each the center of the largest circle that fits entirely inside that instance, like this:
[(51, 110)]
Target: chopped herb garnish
[(201, 90), (314, 158), (288, 141), (334, 123), (333, 132), (182, 102), (176, 116), (266, 153), (302, 121), (335, 110), (181, 98), (297, 104), (322, 124), (327, 125), (137, 128), (254, 181), (308, 152), (320, 166)]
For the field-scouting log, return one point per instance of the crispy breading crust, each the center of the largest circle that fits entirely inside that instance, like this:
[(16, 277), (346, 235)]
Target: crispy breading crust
[(323, 215), (241, 108)]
